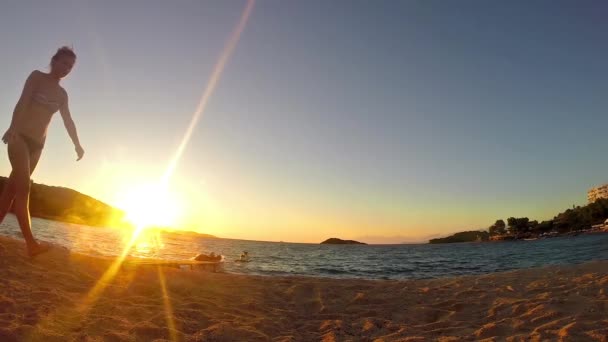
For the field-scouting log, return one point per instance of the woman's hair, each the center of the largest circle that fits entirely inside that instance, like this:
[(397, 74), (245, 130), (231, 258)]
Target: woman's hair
[(63, 51)]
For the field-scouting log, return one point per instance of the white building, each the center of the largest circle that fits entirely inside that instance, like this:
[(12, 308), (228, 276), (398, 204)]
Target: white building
[(598, 192)]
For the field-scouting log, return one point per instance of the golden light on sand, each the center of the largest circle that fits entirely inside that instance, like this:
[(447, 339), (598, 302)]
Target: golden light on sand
[(150, 205), (167, 305), (109, 274)]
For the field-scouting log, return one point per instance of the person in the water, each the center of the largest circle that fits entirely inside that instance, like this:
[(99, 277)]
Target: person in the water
[(41, 97)]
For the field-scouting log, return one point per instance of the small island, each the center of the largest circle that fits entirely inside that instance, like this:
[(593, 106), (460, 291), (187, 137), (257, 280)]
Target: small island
[(336, 241)]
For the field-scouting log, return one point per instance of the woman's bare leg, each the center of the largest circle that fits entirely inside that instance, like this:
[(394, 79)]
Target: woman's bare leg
[(34, 157), (7, 197), (18, 153), (8, 192), (39, 248)]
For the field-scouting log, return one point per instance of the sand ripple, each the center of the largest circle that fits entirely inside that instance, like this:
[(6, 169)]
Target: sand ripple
[(47, 299)]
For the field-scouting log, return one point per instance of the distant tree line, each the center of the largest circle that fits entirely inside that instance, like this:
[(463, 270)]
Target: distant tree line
[(575, 219)]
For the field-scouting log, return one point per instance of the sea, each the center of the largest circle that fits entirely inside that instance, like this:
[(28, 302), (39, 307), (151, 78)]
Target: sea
[(403, 261)]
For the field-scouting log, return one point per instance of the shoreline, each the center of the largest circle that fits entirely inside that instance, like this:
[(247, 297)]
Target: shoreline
[(584, 248), (58, 296)]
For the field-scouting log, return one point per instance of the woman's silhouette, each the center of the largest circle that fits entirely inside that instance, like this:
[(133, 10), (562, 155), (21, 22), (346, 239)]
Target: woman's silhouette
[(42, 96)]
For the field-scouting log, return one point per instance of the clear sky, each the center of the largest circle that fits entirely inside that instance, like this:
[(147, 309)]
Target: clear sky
[(384, 121)]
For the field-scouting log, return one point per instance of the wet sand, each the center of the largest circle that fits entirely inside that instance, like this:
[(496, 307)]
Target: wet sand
[(59, 296)]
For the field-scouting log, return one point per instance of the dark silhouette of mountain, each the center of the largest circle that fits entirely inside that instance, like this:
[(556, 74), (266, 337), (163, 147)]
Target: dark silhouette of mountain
[(70, 206), (67, 205), (336, 241), (468, 236), (188, 233)]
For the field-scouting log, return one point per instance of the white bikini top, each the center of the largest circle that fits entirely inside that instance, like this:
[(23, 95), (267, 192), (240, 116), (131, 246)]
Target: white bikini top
[(43, 100)]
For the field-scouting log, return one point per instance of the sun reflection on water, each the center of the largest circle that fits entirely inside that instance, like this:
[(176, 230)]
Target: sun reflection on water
[(147, 243)]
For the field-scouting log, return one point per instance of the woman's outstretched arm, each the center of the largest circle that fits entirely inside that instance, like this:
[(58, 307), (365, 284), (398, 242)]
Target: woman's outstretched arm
[(70, 126)]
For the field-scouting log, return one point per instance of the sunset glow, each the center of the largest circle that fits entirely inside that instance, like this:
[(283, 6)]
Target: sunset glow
[(150, 205), (269, 128)]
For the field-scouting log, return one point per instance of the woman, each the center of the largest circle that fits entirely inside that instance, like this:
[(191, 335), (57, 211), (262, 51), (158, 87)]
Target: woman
[(42, 96)]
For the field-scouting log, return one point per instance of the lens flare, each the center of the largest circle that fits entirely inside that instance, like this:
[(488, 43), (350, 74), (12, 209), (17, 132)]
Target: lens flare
[(211, 84), (147, 212)]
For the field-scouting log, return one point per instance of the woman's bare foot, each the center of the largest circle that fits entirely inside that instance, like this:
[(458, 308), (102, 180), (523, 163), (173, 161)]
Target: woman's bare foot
[(37, 248)]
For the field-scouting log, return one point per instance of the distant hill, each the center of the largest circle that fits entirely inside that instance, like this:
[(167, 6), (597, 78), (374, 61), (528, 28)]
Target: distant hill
[(67, 205), (188, 233), (469, 236), (70, 206), (336, 241)]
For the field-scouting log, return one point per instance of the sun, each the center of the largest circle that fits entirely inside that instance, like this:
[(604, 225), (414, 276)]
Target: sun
[(150, 205)]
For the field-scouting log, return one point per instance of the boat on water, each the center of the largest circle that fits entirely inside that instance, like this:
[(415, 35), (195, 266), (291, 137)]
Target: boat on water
[(209, 257), (205, 262)]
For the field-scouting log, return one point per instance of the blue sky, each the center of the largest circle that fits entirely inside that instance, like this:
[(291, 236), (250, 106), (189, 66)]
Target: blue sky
[(386, 121)]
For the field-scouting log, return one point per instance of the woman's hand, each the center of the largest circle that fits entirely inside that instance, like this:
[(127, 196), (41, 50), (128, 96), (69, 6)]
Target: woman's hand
[(79, 152), (8, 136)]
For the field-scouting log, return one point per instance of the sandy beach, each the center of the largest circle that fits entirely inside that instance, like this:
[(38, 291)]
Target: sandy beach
[(60, 297)]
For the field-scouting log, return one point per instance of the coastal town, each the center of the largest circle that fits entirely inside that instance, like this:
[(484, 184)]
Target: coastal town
[(588, 219)]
